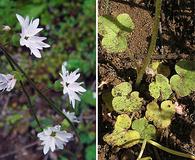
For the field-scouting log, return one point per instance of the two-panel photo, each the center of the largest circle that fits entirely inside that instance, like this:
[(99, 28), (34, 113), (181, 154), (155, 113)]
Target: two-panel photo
[(97, 80)]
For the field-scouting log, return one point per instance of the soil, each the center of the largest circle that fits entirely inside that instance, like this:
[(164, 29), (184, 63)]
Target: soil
[(137, 41), (176, 40)]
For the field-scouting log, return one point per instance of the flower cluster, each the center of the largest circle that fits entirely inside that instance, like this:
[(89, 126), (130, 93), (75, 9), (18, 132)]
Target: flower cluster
[(52, 137)]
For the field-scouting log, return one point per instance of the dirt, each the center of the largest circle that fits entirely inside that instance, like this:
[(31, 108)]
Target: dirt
[(176, 40), (137, 41)]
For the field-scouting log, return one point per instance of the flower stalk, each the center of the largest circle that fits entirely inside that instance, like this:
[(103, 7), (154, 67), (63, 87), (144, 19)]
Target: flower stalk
[(31, 107), (152, 43), (142, 149), (180, 154), (52, 105)]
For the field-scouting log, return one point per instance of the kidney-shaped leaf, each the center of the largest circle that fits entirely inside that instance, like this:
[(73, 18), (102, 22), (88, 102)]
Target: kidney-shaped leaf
[(183, 82), (121, 136), (147, 131), (114, 43), (115, 32), (127, 104), (160, 88), (123, 89), (106, 25), (125, 20), (161, 116)]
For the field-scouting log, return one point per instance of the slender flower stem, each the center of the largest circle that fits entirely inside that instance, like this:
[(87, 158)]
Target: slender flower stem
[(32, 110), (170, 150), (142, 149), (52, 105), (152, 43), (31, 107)]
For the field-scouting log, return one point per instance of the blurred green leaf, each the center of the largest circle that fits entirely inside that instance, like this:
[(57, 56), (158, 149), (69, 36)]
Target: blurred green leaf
[(87, 138), (33, 10), (58, 86), (45, 122), (89, 98), (12, 119), (18, 75), (83, 65), (15, 40), (90, 152)]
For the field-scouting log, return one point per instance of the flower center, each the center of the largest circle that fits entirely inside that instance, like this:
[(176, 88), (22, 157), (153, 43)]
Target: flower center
[(26, 38), (53, 134)]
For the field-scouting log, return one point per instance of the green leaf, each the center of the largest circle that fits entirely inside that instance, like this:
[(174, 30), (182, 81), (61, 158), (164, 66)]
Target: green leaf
[(147, 131), (126, 21), (114, 43), (123, 89), (18, 75), (33, 10), (83, 65), (88, 97), (127, 104), (62, 158), (15, 40), (123, 122), (12, 119), (115, 32), (45, 122), (160, 88), (65, 124), (121, 136), (86, 137), (162, 116), (140, 124), (124, 101), (58, 86), (160, 68), (183, 82), (106, 25), (90, 152)]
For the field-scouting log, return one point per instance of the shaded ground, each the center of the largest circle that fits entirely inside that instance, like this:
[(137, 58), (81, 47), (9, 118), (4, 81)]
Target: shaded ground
[(176, 41)]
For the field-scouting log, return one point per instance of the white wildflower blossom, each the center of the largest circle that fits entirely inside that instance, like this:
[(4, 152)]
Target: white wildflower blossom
[(71, 116), (6, 28), (7, 82), (94, 95), (29, 36), (71, 87), (53, 138)]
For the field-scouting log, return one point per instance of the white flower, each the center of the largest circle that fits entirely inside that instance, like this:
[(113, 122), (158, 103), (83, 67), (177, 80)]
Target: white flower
[(71, 87), (6, 28), (71, 116), (29, 36), (7, 82), (94, 95), (53, 138)]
